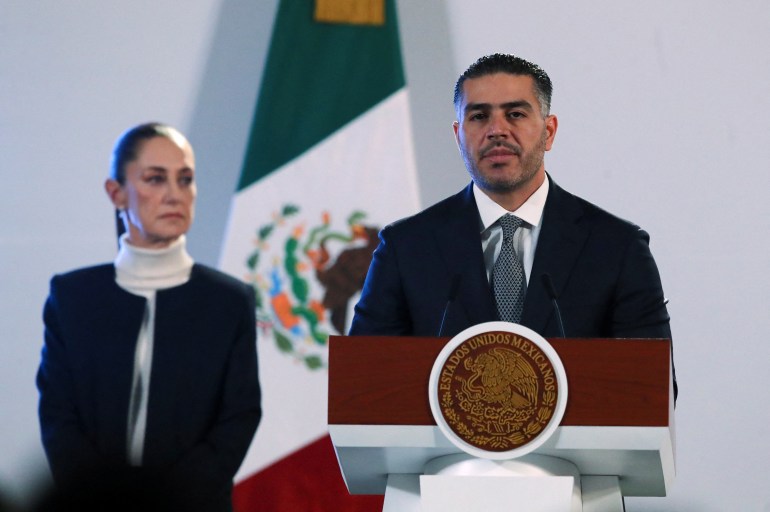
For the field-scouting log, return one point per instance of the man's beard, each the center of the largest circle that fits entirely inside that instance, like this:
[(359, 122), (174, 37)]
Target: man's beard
[(531, 162)]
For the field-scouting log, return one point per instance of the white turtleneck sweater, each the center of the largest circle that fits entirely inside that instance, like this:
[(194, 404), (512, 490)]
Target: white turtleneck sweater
[(143, 272)]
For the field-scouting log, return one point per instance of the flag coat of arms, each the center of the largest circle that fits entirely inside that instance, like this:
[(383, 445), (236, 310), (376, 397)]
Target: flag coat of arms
[(329, 162)]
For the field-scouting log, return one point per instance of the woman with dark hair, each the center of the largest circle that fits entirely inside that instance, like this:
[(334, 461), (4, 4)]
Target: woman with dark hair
[(149, 362)]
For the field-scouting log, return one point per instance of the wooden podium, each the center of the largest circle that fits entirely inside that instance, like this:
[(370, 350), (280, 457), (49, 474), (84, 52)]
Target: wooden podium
[(618, 423)]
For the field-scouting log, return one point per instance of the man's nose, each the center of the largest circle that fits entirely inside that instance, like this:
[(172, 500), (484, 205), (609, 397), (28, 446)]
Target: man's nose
[(497, 127)]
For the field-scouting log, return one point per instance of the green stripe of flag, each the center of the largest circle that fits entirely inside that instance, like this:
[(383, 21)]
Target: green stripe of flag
[(317, 78)]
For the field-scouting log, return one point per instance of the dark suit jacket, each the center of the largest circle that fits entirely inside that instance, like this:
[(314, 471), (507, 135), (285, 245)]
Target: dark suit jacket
[(204, 401), (605, 278)]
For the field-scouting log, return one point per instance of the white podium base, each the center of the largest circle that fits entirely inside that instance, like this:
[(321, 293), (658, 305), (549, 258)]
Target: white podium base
[(402, 493), (533, 483), (496, 494), (602, 494)]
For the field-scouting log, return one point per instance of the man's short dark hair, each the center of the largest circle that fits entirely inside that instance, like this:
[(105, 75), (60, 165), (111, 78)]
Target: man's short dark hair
[(505, 63)]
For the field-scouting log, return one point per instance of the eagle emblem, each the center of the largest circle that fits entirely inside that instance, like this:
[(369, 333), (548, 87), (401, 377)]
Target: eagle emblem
[(305, 276), (501, 377), (497, 391)]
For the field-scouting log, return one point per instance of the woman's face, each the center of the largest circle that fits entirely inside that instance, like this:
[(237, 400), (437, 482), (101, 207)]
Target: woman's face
[(158, 195)]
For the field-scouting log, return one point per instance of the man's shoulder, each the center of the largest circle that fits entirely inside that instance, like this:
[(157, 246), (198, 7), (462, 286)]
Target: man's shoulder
[(435, 214), (590, 213)]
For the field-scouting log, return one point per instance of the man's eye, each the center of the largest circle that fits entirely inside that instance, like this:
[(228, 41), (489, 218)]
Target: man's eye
[(478, 116), (156, 178), (515, 115), (186, 180)]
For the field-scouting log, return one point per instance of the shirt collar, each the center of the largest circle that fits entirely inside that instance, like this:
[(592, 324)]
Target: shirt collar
[(531, 211)]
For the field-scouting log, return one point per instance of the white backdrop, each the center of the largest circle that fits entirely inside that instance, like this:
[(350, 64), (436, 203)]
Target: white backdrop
[(664, 110)]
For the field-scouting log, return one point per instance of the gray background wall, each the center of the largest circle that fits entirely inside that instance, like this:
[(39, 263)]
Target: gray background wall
[(663, 109)]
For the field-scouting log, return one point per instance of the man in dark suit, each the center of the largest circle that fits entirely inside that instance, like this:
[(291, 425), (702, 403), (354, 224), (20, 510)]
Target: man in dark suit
[(431, 273)]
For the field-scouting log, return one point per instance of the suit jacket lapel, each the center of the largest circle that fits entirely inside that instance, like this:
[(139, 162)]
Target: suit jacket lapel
[(561, 239), (459, 244)]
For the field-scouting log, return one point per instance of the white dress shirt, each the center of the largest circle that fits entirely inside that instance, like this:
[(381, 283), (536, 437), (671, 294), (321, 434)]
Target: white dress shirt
[(525, 239)]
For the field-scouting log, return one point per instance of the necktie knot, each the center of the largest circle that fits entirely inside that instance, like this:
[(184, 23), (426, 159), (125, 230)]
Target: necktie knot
[(509, 223)]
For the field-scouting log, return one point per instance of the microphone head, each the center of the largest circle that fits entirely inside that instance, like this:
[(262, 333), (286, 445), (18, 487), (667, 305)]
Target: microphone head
[(454, 286), (551, 289), (548, 283)]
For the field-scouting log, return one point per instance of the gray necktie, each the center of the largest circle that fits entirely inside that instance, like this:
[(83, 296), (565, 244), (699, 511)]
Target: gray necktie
[(508, 279)]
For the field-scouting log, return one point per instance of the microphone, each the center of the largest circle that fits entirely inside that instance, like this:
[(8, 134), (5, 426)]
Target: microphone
[(548, 283), (454, 286)]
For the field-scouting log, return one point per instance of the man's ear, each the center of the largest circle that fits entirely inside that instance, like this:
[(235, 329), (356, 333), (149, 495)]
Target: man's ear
[(115, 193), (456, 130), (551, 124)]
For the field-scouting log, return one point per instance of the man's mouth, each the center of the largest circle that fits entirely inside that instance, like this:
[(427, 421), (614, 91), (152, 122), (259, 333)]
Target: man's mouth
[(500, 149)]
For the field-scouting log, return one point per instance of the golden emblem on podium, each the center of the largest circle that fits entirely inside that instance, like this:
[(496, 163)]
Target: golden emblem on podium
[(498, 390)]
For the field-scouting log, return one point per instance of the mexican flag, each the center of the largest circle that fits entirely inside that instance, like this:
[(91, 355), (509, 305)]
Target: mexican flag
[(329, 162)]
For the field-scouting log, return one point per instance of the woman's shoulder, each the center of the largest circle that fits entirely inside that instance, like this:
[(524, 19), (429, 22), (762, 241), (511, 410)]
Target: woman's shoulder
[(204, 275), (84, 275), (90, 286)]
